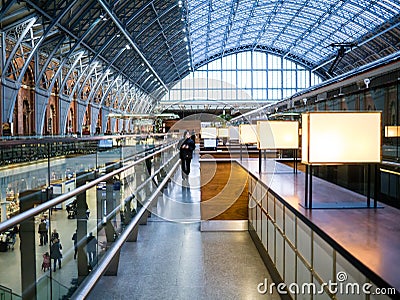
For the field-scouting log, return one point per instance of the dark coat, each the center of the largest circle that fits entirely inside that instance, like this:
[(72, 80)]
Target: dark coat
[(75, 238), (55, 235), (55, 250), (91, 243), (187, 153), (42, 227)]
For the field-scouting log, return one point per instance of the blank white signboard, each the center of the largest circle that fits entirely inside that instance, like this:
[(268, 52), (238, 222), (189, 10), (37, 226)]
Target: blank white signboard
[(341, 137), (208, 133), (233, 132), (223, 132), (278, 134), (248, 134)]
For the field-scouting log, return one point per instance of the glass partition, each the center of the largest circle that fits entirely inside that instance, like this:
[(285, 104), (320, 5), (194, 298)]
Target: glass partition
[(303, 259), (48, 255), (34, 165)]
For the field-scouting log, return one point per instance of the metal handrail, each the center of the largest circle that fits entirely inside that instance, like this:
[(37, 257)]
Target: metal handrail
[(138, 188), (53, 202), (90, 281), (20, 140)]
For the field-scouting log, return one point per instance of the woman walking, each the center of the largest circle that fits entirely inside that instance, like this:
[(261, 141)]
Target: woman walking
[(186, 154), (55, 253)]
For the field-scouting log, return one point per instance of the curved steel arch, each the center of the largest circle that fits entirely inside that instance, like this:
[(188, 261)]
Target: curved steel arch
[(102, 77), (300, 30), (91, 66), (115, 82), (11, 86)]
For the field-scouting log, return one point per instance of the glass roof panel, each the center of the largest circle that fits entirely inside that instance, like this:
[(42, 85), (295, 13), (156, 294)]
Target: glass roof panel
[(304, 29)]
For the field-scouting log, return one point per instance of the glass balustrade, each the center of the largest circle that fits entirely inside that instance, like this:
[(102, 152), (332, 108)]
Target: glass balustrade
[(304, 260), (76, 232)]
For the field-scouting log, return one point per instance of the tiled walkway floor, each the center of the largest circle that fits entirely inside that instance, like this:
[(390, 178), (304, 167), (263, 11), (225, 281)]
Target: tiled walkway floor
[(172, 259)]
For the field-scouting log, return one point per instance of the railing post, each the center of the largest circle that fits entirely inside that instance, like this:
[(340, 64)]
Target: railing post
[(134, 234), (112, 269), (157, 164), (84, 289), (27, 235), (110, 203), (81, 231), (143, 219)]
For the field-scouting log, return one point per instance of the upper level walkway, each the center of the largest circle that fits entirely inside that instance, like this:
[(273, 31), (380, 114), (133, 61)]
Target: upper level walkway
[(173, 259)]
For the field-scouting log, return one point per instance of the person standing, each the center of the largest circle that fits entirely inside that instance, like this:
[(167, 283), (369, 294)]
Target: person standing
[(91, 245), (46, 220), (186, 154), (75, 239), (55, 235), (55, 253), (43, 233)]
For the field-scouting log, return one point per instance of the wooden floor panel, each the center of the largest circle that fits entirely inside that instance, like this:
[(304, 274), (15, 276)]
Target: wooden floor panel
[(224, 194)]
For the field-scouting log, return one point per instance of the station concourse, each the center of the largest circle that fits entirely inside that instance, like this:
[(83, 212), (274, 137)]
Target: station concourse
[(294, 184)]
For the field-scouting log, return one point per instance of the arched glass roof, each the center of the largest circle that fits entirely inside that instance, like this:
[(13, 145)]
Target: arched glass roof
[(149, 45), (241, 81), (307, 31)]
